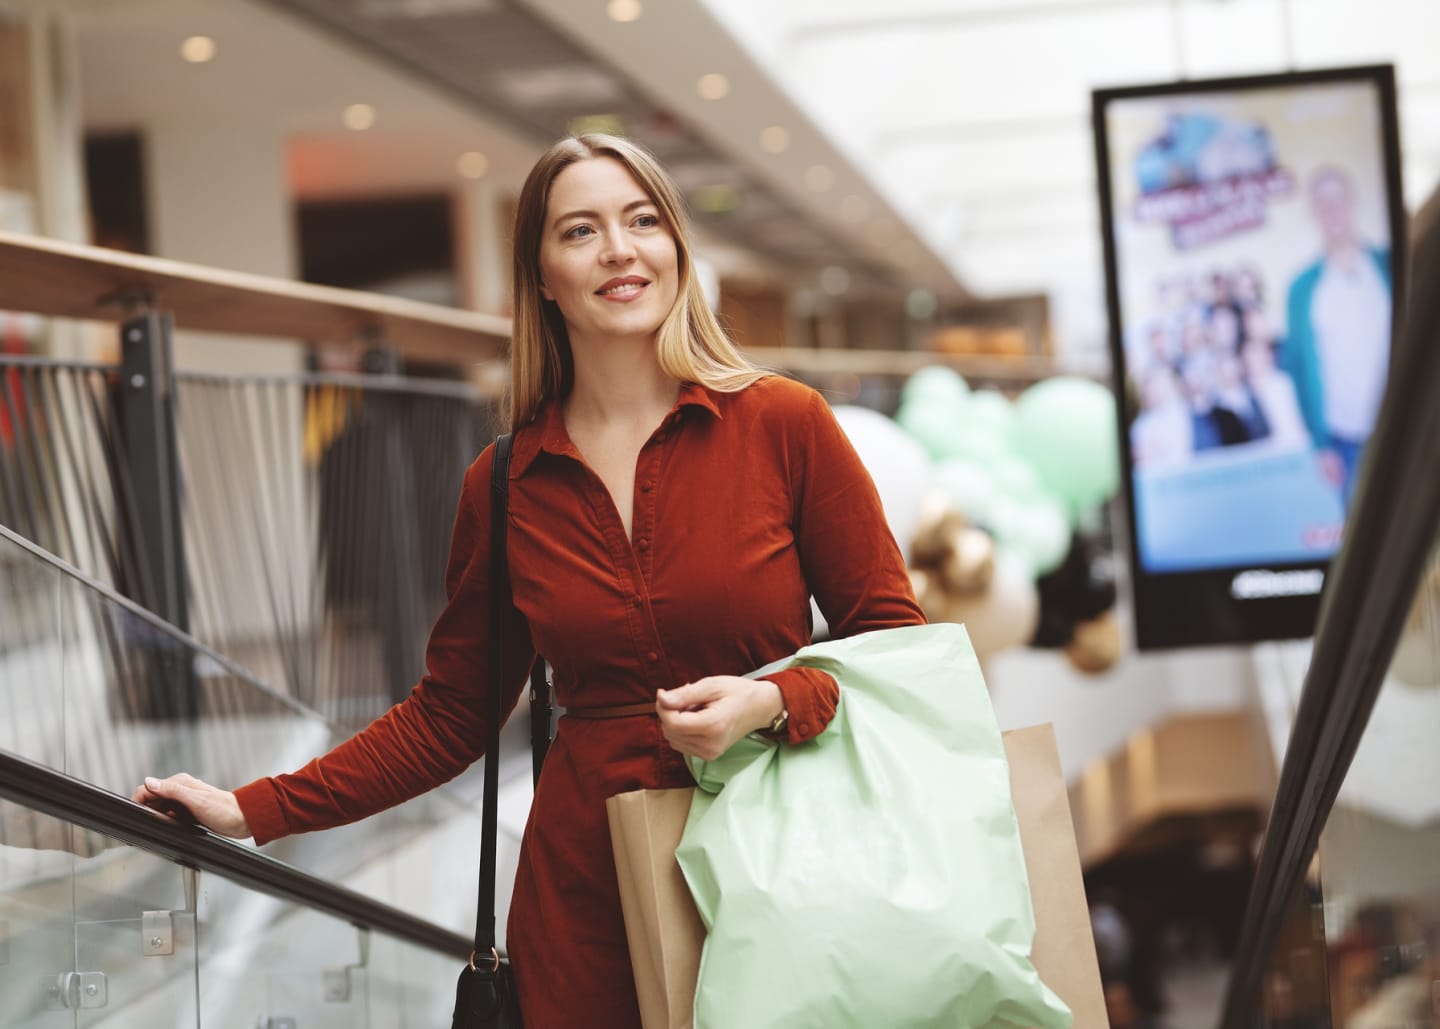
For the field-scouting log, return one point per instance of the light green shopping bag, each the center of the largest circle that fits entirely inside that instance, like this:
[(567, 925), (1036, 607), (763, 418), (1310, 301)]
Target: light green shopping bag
[(871, 878)]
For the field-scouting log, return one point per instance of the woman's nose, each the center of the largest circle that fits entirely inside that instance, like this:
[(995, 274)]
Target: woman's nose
[(618, 249)]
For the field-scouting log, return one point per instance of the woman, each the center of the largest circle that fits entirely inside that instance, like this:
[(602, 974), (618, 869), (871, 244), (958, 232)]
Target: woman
[(672, 509)]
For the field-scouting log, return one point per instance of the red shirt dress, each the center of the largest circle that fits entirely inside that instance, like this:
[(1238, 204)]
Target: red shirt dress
[(745, 505)]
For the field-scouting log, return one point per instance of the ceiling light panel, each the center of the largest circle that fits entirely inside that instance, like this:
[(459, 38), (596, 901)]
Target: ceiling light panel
[(381, 9), (559, 86)]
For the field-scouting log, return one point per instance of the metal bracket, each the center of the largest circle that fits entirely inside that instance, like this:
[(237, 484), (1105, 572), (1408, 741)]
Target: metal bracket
[(157, 928), (157, 934), (80, 990), (338, 981)]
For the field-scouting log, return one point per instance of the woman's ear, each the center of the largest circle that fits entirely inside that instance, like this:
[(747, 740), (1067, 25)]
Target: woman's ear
[(545, 293)]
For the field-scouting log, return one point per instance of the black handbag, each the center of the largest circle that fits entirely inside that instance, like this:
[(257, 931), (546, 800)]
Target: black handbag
[(485, 996)]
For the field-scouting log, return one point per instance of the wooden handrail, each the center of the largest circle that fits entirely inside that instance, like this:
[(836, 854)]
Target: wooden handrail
[(70, 280), (1020, 368)]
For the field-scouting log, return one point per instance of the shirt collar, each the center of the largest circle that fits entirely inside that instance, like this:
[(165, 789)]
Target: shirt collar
[(547, 432)]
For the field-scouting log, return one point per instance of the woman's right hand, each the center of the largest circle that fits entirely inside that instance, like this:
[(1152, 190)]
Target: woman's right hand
[(179, 795)]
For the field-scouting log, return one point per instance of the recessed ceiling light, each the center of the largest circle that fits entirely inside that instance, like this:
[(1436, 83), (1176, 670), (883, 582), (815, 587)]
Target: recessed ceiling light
[(198, 49), (624, 10), (713, 86), (359, 117), (854, 208), (775, 139), (819, 178), (472, 164)]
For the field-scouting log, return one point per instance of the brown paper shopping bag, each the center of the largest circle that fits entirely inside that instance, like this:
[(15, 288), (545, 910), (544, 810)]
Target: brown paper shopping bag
[(666, 935)]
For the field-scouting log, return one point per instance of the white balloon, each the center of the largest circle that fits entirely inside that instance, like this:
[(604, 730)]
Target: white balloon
[(897, 463)]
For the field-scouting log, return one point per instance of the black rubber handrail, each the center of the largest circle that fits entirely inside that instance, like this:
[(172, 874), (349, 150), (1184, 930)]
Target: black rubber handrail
[(1388, 539), (79, 803)]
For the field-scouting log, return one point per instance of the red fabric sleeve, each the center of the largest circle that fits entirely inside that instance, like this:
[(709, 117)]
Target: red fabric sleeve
[(850, 559), (437, 731)]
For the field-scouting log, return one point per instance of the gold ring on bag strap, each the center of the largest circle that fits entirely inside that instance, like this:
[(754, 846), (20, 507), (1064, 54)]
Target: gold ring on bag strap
[(494, 953)]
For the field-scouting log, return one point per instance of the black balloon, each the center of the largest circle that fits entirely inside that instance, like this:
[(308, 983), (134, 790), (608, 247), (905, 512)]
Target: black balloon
[(1082, 588)]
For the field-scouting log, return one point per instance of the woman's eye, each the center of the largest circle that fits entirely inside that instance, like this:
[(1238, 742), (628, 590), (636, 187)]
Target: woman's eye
[(647, 221), (578, 232)]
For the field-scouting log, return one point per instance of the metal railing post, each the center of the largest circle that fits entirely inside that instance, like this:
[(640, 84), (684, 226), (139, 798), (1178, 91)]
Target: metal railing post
[(146, 402), (164, 685)]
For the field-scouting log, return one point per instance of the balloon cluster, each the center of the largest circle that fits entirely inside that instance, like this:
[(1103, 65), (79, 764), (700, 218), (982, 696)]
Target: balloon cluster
[(1024, 470), (1012, 479)]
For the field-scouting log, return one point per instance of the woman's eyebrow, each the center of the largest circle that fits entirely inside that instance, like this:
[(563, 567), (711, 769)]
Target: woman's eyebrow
[(632, 205)]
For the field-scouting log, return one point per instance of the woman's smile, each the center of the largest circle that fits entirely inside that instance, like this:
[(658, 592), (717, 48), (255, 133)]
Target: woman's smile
[(623, 290)]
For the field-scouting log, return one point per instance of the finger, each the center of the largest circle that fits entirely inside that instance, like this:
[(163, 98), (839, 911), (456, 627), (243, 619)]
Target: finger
[(702, 720), (670, 700), (692, 695)]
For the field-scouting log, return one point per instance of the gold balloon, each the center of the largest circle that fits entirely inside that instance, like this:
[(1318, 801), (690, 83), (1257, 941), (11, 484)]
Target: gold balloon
[(969, 567), (935, 536), (1095, 647)]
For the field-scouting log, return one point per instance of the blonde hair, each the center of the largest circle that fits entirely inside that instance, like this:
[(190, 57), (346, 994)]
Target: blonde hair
[(691, 345)]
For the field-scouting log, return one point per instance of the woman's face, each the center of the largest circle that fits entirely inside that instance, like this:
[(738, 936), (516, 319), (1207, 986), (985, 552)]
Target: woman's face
[(607, 259)]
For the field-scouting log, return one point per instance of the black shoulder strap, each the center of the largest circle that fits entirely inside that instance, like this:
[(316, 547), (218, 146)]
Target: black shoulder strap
[(494, 689)]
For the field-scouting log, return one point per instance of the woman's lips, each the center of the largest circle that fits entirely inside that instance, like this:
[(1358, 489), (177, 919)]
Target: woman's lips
[(622, 293)]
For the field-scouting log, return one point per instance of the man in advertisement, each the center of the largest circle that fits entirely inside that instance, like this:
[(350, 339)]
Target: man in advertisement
[(1337, 346)]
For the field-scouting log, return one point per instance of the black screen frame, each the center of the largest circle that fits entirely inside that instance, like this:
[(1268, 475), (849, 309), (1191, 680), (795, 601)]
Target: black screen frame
[(1196, 608)]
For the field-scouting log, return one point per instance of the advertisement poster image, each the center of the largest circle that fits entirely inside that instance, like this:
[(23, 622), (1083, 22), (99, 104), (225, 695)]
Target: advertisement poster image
[(1253, 262)]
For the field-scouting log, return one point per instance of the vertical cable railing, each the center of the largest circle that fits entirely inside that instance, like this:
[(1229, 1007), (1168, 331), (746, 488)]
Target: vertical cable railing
[(318, 512), (63, 479)]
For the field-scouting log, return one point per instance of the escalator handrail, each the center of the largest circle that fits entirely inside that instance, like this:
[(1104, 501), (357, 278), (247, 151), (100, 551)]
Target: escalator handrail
[(1388, 539), (73, 801)]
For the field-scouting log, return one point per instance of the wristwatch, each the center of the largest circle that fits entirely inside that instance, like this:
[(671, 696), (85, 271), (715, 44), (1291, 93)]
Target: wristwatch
[(777, 728)]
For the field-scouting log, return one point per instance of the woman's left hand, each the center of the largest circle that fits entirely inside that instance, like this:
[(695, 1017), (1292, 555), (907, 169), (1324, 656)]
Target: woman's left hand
[(704, 718)]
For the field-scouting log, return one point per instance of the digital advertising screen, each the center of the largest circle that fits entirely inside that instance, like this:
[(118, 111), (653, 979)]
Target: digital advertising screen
[(1253, 247)]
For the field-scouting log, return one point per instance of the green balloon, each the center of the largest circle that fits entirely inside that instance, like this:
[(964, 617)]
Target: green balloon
[(935, 383), (934, 424), (1037, 530), (1016, 478), (978, 443), (969, 486), (1066, 429), (991, 409)]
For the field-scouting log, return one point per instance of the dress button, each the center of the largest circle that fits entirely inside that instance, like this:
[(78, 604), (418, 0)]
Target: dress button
[(642, 544), (637, 601), (646, 486), (804, 728), (652, 656)]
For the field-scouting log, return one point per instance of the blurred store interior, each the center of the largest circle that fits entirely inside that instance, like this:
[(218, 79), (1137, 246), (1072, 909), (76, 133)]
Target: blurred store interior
[(876, 189)]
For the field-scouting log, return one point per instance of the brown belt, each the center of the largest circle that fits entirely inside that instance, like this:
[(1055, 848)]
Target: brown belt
[(612, 711)]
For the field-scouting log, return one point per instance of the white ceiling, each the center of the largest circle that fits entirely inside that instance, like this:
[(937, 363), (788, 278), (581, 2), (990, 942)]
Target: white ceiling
[(972, 116), (272, 67), (957, 131)]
